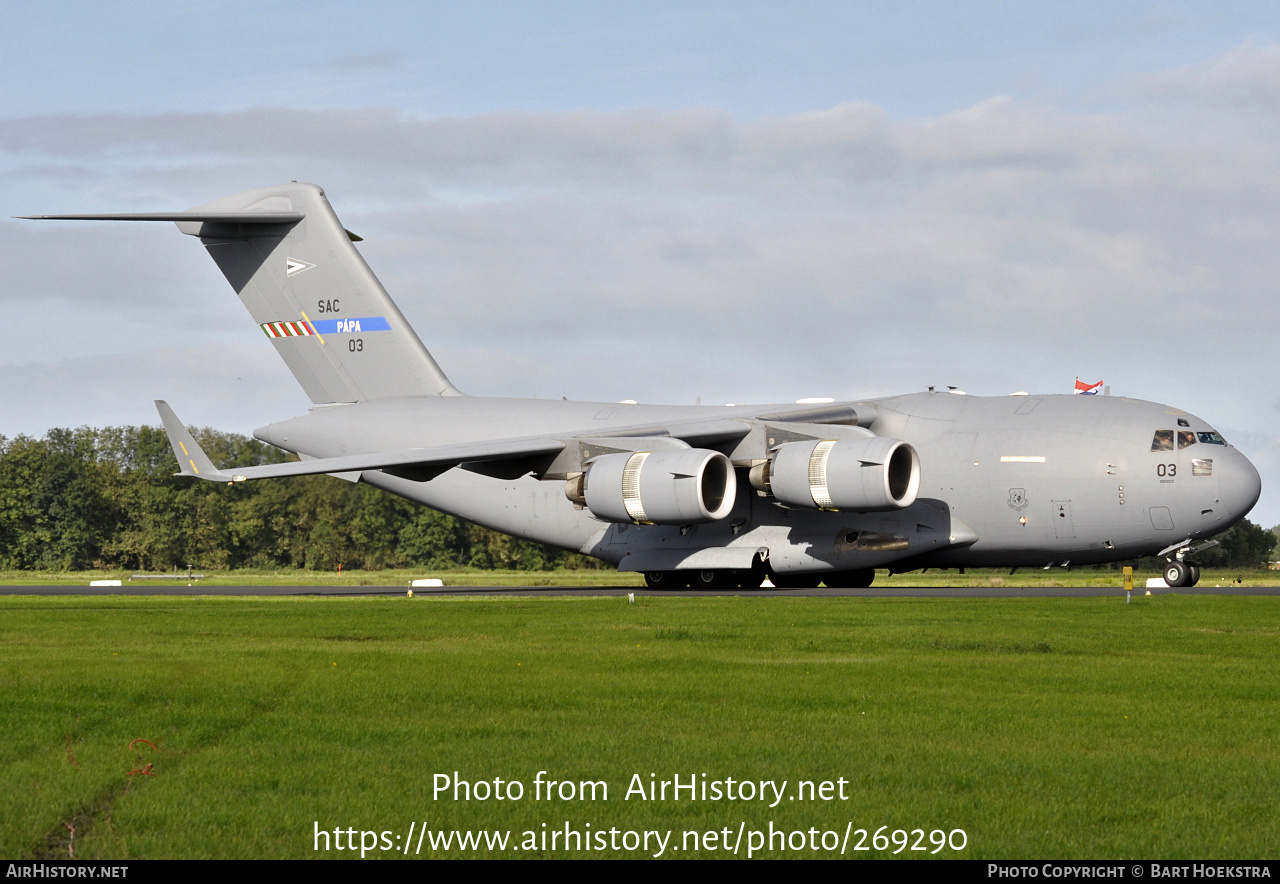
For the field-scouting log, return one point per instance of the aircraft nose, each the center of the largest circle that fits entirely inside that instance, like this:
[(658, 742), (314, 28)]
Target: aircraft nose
[(1239, 484)]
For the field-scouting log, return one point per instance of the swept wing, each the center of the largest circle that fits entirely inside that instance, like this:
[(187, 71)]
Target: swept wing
[(489, 455)]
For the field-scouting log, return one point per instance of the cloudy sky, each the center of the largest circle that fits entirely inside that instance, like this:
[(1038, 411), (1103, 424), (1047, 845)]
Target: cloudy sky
[(731, 202)]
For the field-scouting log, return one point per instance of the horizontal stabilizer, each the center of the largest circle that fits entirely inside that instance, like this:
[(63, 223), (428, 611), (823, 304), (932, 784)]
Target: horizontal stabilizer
[(216, 217), (294, 267)]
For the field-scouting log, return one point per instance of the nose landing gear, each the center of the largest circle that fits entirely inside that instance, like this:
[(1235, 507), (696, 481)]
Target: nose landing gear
[(1180, 573)]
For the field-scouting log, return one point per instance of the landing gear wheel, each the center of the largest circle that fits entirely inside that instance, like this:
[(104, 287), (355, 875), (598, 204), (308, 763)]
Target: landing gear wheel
[(709, 579), (664, 580), (1195, 574), (1177, 574), (859, 578)]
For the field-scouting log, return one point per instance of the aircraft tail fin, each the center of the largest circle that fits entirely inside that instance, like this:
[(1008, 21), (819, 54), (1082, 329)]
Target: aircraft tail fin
[(307, 287)]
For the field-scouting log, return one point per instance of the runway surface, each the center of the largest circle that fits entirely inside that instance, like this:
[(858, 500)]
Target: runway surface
[(588, 591)]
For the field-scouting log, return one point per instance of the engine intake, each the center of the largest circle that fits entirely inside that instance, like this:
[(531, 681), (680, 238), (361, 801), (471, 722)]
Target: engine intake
[(669, 487), (848, 474)]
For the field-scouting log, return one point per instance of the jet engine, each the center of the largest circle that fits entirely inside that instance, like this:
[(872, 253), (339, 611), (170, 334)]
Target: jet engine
[(849, 474), (681, 486)]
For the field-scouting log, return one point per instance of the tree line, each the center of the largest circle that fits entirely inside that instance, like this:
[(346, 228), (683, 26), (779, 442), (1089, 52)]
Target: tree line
[(107, 498)]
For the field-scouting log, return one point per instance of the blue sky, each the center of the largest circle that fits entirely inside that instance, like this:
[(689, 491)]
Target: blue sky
[(748, 59), (749, 201)]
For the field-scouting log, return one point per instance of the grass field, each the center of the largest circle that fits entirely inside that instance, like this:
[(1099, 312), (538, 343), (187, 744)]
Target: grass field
[(1054, 728), (349, 577)]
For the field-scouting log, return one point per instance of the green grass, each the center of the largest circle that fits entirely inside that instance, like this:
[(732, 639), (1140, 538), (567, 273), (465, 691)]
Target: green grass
[(349, 577), (1063, 728)]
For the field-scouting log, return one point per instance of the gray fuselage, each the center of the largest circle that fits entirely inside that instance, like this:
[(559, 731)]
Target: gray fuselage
[(1004, 481)]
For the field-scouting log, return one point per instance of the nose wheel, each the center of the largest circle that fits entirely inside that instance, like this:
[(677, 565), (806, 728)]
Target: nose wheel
[(1181, 574), (1178, 571)]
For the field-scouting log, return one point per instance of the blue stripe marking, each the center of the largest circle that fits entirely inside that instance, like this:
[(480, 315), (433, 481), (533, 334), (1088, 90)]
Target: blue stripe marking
[(351, 326)]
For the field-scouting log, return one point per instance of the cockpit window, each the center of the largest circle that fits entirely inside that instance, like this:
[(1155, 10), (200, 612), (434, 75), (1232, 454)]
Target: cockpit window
[(1185, 438), (1163, 441), (1211, 438)]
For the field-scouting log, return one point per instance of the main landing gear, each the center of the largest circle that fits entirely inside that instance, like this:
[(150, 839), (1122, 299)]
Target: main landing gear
[(724, 579), (666, 579), (705, 578)]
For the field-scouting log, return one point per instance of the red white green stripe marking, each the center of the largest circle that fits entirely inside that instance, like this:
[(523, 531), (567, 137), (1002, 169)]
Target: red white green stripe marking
[(294, 329)]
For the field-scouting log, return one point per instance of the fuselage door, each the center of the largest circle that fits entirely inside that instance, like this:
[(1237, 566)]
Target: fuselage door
[(1062, 525)]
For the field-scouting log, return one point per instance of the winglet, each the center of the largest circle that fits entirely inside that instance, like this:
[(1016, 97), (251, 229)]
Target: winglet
[(192, 461)]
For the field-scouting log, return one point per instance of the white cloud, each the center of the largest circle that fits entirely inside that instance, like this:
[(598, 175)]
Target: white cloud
[(663, 256), (1247, 76)]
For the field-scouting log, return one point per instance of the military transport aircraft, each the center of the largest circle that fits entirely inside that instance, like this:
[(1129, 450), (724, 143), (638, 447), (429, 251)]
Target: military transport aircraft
[(704, 496)]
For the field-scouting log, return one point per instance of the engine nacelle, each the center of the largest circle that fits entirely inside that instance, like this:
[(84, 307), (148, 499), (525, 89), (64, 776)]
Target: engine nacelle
[(848, 474), (682, 486)]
